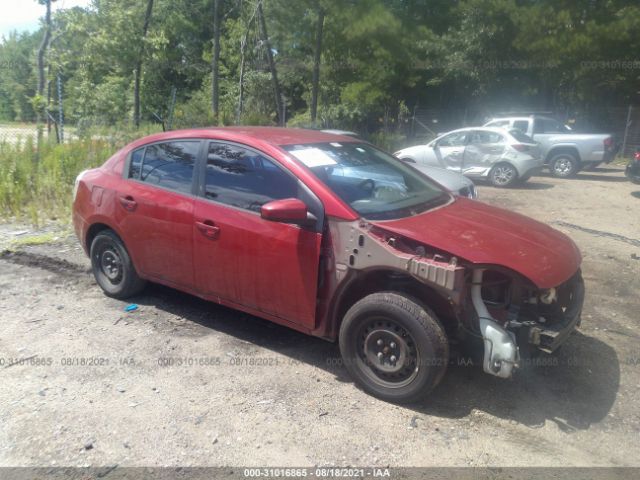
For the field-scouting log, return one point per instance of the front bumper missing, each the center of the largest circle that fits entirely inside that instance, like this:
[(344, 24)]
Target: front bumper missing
[(548, 339)]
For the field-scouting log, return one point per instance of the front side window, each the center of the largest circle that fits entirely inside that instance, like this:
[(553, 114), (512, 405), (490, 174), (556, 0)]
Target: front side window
[(373, 183), (170, 165), (243, 178)]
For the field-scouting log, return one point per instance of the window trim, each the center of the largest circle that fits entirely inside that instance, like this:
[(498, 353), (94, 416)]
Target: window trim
[(196, 169)]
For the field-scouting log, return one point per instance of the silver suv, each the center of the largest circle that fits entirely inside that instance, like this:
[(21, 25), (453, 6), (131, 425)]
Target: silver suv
[(564, 152)]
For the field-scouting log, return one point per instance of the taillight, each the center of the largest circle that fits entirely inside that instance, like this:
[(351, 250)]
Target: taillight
[(521, 148), (637, 156), (608, 142)]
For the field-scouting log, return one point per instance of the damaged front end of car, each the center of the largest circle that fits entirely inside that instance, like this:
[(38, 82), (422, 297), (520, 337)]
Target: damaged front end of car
[(488, 303)]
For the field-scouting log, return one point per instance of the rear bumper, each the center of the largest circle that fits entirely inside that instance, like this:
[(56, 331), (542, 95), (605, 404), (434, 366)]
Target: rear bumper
[(531, 166), (80, 227)]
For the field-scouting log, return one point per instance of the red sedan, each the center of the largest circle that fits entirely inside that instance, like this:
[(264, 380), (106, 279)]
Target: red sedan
[(333, 237)]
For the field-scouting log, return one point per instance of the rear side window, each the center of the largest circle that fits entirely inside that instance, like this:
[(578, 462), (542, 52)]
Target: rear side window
[(245, 179), (136, 163), (170, 165), (547, 125), (521, 137), (522, 125), (480, 137)]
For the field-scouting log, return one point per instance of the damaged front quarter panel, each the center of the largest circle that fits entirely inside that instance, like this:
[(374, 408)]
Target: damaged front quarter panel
[(356, 245)]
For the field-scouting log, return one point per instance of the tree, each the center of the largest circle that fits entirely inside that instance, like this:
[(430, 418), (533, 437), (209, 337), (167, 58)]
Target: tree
[(272, 65), (316, 65), (215, 61), (138, 70)]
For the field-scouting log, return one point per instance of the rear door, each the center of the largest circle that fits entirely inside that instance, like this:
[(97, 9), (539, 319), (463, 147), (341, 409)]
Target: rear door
[(485, 148), (156, 209), (449, 150), (241, 258)]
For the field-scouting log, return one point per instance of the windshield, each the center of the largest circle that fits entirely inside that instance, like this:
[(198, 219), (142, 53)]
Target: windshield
[(373, 183)]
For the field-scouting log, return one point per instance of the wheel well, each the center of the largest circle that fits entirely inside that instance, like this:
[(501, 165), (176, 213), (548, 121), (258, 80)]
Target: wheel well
[(566, 150), (387, 280), (94, 230)]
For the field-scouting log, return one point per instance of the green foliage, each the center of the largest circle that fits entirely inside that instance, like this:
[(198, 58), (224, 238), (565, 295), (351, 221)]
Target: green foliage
[(377, 55), (34, 190)]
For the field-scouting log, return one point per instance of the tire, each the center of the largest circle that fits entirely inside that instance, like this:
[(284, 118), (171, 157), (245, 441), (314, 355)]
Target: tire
[(503, 175), (398, 326), (564, 165), (112, 266)]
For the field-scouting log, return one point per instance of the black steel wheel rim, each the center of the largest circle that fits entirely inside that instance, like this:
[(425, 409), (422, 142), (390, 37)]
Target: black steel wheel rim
[(387, 353), (110, 264)]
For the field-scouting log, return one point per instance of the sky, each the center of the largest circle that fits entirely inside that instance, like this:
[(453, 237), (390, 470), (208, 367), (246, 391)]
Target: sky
[(24, 15)]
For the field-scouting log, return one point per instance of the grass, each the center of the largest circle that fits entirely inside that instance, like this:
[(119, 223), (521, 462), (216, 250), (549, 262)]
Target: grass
[(37, 183), (38, 239)]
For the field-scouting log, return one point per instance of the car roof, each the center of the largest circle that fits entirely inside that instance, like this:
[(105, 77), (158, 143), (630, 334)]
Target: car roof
[(273, 135), (524, 117), (469, 129)]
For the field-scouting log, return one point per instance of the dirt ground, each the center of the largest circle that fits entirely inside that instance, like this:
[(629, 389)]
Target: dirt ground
[(185, 382)]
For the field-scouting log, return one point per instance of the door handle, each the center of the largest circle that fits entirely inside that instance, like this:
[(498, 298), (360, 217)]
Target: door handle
[(128, 203), (208, 229)]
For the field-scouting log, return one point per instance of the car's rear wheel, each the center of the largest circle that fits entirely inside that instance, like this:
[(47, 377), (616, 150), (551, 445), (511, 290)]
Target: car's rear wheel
[(394, 348), (564, 165), (503, 175), (112, 266)]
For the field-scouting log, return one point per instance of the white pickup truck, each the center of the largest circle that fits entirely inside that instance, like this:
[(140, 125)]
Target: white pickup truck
[(565, 152)]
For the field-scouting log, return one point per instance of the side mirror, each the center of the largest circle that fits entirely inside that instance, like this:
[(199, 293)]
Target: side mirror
[(288, 210)]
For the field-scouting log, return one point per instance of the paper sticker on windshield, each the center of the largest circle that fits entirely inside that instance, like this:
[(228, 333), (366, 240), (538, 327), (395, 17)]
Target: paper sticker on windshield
[(313, 157)]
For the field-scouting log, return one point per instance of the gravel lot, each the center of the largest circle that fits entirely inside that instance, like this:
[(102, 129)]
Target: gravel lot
[(185, 382)]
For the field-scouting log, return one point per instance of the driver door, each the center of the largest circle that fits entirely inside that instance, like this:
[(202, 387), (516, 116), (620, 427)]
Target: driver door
[(449, 151), (239, 256)]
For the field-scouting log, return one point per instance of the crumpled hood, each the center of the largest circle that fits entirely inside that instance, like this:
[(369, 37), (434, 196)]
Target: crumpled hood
[(482, 234)]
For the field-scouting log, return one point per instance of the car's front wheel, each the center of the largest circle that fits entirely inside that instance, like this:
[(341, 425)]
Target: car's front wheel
[(112, 266), (503, 175), (394, 348)]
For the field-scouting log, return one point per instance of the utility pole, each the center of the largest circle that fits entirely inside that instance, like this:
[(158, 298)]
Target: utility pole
[(41, 106)]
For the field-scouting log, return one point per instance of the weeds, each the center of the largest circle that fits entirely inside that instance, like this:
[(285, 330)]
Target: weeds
[(36, 184)]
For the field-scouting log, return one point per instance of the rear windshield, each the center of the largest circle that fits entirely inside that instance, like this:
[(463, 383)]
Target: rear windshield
[(521, 137), (375, 184)]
